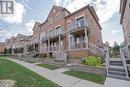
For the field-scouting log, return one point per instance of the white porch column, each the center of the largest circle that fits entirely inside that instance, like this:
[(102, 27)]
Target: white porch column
[(69, 41), (86, 36), (59, 43), (128, 51), (48, 44)]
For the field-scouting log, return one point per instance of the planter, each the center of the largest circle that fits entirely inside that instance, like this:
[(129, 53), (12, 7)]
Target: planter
[(89, 69)]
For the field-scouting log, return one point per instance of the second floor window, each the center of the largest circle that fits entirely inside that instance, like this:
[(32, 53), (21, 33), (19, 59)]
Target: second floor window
[(50, 32), (70, 25), (80, 22), (58, 17), (58, 30)]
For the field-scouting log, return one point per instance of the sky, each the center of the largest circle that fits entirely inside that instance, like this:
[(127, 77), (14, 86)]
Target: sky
[(27, 12)]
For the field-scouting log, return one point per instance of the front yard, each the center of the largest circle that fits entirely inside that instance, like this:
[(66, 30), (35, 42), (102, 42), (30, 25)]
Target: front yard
[(22, 76), (87, 76), (49, 66)]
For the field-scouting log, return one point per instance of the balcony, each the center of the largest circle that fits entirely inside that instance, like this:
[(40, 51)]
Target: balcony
[(53, 36), (52, 48), (78, 28)]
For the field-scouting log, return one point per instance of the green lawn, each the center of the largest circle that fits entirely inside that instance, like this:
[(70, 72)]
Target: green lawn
[(23, 76), (87, 76), (49, 66)]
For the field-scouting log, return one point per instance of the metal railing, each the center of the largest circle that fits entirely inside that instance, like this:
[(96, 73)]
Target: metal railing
[(55, 48), (126, 51), (79, 45), (74, 26), (107, 59), (96, 50), (124, 62)]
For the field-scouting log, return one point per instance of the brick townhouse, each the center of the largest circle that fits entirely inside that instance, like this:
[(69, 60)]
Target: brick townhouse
[(77, 33), (36, 37), (125, 21), (19, 42), (2, 47)]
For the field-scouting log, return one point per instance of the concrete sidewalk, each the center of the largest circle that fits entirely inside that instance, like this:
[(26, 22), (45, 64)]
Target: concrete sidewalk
[(69, 81)]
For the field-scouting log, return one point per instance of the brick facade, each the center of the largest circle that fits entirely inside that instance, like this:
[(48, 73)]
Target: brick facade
[(55, 34)]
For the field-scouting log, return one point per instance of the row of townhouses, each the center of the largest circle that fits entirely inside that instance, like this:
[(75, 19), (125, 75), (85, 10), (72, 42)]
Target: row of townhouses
[(2, 47), (76, 34)]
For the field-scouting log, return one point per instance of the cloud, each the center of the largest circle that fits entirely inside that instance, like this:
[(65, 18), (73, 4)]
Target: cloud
[(104, 8), (30, 25), (58, 2), (115, 31), (17, 17)]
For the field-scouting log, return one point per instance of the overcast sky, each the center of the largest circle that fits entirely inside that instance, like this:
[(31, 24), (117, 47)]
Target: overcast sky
[(27, 12)]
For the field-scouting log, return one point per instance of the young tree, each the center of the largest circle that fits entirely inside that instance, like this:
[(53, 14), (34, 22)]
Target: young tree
[(5, 51), (10, 51)]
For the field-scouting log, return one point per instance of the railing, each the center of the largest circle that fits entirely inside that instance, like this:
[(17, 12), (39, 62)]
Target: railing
[(60, 55), (124, 62), (74, 26), (126, 51), (79, 45), (107, 59), (54, 34), (96, 50)]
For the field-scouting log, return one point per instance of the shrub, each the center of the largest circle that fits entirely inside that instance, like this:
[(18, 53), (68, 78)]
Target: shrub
[(128, 61), (93, 61)]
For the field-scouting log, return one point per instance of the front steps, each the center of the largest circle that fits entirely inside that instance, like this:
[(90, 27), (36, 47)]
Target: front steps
[(116, 69)]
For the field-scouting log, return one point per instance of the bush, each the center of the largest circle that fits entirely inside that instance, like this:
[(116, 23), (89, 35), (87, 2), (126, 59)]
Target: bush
[(93, 61), (128, 61)]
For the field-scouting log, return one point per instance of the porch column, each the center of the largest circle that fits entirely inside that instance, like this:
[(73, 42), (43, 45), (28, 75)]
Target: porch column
[(34, 47), (48, 44), (86, 36), (128, 51), (69, 41), (59, 43)]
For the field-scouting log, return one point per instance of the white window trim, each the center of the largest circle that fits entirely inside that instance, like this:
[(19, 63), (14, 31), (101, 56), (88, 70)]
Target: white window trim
[(58, 15), (77, 17), (58, 26)]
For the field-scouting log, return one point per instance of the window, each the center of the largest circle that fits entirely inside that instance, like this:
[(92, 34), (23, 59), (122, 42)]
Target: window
[(80, 22), (77, 42), (70, 25), (50, 32), (58, 17), (58, 30)]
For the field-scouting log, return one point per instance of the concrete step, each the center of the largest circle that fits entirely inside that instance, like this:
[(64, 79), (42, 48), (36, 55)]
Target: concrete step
[(116, 69), (117, 73), (118, 77), (117, 63)]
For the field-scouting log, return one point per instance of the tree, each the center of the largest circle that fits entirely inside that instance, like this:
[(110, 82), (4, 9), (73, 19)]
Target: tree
[(116, 50), (30, 48), (5, 51), (10, 50)]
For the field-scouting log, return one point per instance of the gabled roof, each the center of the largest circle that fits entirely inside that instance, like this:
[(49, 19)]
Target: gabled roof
[(55, 7), (36, 23), (92, 12)]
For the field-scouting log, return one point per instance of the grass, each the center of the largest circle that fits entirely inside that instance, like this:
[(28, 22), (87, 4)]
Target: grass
[(128, 61), (49, 66), (23, 76), (87, 76)]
